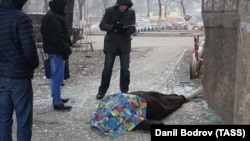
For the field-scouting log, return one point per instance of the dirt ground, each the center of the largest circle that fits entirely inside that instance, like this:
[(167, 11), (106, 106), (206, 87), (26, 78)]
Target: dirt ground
[(153, 66)]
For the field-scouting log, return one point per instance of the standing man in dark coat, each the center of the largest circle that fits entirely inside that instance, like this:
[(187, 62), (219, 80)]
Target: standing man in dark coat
[(18, 60), (119, 23), (56, 43)]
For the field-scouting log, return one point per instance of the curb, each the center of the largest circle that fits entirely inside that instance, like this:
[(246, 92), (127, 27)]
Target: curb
[(160, 33)]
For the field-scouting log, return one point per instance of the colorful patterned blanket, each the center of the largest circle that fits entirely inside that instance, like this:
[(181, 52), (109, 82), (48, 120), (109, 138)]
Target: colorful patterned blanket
[(118, 113)]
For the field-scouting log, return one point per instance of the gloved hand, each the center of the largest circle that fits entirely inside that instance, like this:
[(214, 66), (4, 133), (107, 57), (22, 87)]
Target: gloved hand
[(129, 31), (66, 53), (65, 56), (118, 27), (127, 34), (69, 51)]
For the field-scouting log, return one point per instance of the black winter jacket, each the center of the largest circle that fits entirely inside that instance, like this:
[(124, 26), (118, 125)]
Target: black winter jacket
[(55, 35), (116, 42), (18, 53)]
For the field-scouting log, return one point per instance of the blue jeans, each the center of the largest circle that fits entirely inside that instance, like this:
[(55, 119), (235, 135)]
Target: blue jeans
[(107, 72), (57, 77), (16, 95)]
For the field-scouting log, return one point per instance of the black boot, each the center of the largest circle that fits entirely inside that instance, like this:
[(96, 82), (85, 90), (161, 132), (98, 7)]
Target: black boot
[(65, 100), (99, 96), (61, 107)]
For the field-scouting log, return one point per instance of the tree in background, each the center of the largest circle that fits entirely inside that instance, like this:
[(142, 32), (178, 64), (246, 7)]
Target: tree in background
[(26, 6), (46, 5), (166, 4), (81, 6), (86, 10), (160, 9), (148, 8), (105, 3), (188, 6), (69, 15)]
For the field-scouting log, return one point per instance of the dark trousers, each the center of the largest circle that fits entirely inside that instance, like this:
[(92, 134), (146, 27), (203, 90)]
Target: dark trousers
[(107, 72), (16, 96)]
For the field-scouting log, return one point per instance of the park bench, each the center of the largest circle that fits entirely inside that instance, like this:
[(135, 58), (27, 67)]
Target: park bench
[(80, 40)]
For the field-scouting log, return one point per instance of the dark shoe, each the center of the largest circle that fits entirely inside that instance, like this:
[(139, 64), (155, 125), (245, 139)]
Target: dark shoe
[(99, 96), (62, 84), (61, 107), (65, 100)]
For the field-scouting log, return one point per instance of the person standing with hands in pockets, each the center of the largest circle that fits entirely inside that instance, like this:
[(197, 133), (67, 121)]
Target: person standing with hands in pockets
[(18, 60), (56, 43), (119, 23)]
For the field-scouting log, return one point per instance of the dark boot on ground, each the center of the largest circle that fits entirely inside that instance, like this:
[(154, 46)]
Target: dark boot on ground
[(65, 100), (62, 107), (100, 96)]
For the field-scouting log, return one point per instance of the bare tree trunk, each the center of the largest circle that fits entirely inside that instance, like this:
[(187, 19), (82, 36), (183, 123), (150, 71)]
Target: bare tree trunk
[(159, 3), (81, 4), (46, 5), (80, 12), (26, 7), (148, 8), (183, 8), (159, 21), (166, 4), (69, 15), (104, 4)]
